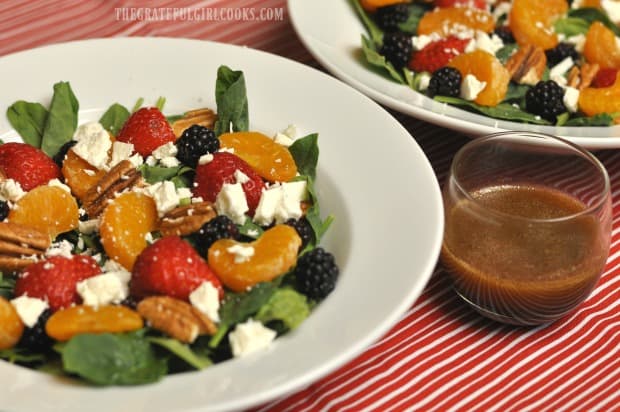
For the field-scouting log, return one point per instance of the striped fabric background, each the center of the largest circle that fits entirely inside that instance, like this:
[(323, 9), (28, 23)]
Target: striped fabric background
[(441, 355)]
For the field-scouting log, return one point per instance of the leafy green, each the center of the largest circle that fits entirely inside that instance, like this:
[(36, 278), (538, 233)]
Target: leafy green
[(305, 152), (231, 100), (603, 119), (250, 229), (28, 119), (137, 105), (376, 34), (375, 59), (286, 305), (591, 14), (154, 174), (571, 26), (182, 351), (7, 285), (113, 359), (114, 118), (313, 214), (504, 111), (505, 52), (416, 11), (61, 119), (516, 92), (160, 103), (18, 355)]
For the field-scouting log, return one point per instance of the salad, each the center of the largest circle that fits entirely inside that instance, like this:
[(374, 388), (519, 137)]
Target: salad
[(538, 62), (141, 245)]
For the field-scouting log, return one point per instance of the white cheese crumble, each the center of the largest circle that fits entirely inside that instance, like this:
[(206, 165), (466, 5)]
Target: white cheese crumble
[(561, 68), (104, 289), (204, 159), (62, 248), (93, 143), (282, 139), (482, 41), (249, 337), (242, 253), (11, 190), (122, 151), (88, 227), (423, 40), (206, 299), (57, 183), (231, 201), (571, 99), (281, 202), (471, 87), (165, 196), (424, 81), (612, 7), (579, 40), (241, 177), (165, 150), (290, 131), (501, 10), (29, 309)]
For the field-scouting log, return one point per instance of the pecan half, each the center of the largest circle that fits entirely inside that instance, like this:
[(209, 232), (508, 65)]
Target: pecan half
[(183, 220), (20, 245), (121, 177), (202, 117), (527, 65), (175, 318), (581, 77)]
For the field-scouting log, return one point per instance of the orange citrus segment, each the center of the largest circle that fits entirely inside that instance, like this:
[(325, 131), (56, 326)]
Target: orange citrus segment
[(594, 100), (372, 5), (602, 47), (79, 174), (531, 21), (450, 20), (66, 323), (11, 326), (486, 68)]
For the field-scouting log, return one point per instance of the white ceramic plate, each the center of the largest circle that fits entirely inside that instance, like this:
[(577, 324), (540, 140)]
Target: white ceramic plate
[(372, 176), (331, 31)]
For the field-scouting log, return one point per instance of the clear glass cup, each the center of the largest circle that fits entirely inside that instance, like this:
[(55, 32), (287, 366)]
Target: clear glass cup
[(527, 226)]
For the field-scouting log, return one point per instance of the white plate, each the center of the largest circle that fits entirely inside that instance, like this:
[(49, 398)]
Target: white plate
[(331, 31), (372, 176)]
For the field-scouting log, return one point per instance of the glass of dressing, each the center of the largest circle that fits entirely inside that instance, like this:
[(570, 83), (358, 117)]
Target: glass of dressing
[(527, 226)]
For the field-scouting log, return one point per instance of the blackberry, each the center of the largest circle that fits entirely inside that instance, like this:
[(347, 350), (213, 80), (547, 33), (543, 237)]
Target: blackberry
[(316, 273), (4, 209), (35, 338), (445, 82), (196, 141), (504, 33), (220, 227), (388, 17), (303, 229), (62, 152), (560, 52), (546, 100), (397, 48)]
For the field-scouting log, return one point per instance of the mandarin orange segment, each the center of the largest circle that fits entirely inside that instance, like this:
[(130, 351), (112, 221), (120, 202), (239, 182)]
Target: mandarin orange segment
[(272, 255), (531, 21), (594, 100), (49, 209), (448, 20), (124, 224), (66, 323), (271, 160), (486, 68), (602, 47), (11, 326), (79, 174), (372, 5)]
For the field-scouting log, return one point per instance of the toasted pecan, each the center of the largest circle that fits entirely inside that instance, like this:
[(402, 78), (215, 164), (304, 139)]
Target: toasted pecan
[(203, 117), (20, 245), (121, 177), (183, 220), (527, 65)]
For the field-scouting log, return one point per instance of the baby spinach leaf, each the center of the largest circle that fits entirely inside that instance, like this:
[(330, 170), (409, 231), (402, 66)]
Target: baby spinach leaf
[(160, 103), (591, 14), (113, 359), (375, 59), (137, 105), (376, 34), (313, 214), (286, 305), (28, 119), (505, 111), (571, 26), (114, 118), (305, 152), (416, 11), (603, 119), (61, 120), (231, 101), (154, 174), (21, 356), (505, 52), (7, 285), (250, 229), (182, 351), (516, 92)]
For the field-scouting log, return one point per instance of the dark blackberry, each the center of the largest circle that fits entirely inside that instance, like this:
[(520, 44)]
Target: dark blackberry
[(504, 33), (388, 17), (560, 52), (546, 100), (316, 273), (35, 338), (220, 227), (397, 48), (196, 141), (62, 152), (130, 301), (445, 82), (304, 230), (4, 209)]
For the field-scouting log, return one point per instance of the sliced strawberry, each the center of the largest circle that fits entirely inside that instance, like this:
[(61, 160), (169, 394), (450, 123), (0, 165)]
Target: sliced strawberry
[(29, 166), (605, 77), (170, 267), (437, 54), (147, 129), (54, 279), (478, 4), (211, 176)]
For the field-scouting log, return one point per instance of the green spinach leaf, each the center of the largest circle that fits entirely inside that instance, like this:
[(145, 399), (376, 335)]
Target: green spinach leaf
[(7, 284), (114, 118), (603, 119), (505, 111), (305, 152), (250, 229), (375, 59), (286, 305), (21, 356), (505, 52), (231, 101), (571, 26), (182, 351), (416, 11), (313, 215), (28, 119), (591, 15), (61, 120), (376, 34), (154, 174)]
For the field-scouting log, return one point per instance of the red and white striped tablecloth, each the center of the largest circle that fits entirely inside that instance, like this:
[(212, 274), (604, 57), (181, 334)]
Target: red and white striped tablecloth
[(440, 355)]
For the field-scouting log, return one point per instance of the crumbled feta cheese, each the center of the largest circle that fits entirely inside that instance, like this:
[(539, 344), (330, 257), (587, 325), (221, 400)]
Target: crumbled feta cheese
[(231, 202), (150, 161), (241, 177), (482, 41), (120, 151), (88, 227), (111, 265), (424, 81), (282, 139), (11, 190), (204, 159), (571, 99), (423, 40), (290, 131), (227, 150), (165, 150), (169, 161), (267, 205), (184, 193), (579, 40), (206, 299), (560, 80), (165, 196), (471, 87), (502, 9), (281, 202), (93, 143), (561, 68), (104, 289), (57, 183), (29, 309), (242, 253), (62, 248), (612, 7), (249, 337)]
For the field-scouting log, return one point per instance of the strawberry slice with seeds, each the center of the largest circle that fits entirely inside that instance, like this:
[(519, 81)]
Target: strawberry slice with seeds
[(27, 165), (146, 129), (437, 54)]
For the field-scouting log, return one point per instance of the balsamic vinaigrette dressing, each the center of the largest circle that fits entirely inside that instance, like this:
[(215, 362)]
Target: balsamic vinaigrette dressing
[(520, 271)]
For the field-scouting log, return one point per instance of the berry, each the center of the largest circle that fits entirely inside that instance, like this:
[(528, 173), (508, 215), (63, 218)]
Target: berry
[(504, 33), (560, 52), (35, 338), (304, 230), (445, 82), (146, 129), (478, 4), (196, 141), (59, 157), (397, 48), (316, 273), (437, 54), (546, 100), (29, 166), (605, 78), (171, 267), (220, 227), (54, 279), (4, 209), (388, 17), (210, 177)]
